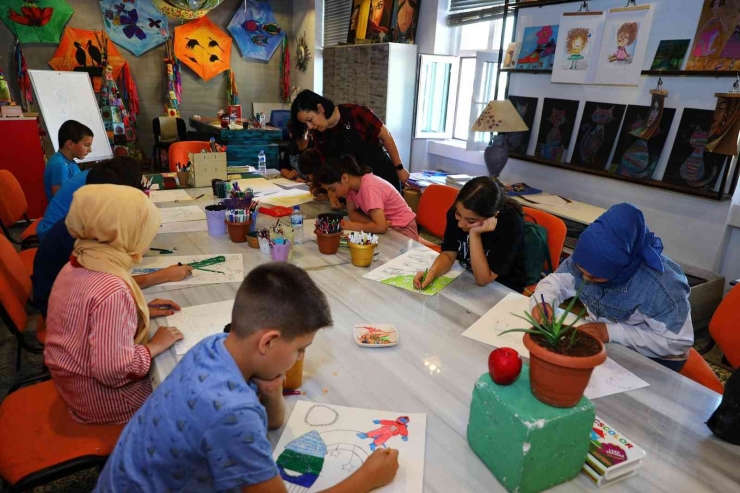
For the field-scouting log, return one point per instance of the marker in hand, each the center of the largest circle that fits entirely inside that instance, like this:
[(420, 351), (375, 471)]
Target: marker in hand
[(423, 278)]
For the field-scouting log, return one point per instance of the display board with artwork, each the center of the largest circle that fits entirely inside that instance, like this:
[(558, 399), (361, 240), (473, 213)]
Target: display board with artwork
[(517, 142), (623, 45), (596, 134), (556, 128), (579, 41)]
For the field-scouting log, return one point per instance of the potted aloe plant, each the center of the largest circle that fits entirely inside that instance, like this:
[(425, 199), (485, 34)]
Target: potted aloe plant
[(561, 357)]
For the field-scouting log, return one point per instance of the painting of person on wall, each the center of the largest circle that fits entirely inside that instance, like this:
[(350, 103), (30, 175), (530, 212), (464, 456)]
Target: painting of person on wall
[(379, 20), (405, 16)]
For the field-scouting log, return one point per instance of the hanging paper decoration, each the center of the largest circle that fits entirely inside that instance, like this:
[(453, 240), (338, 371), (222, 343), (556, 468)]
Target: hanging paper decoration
[(652, 123), (24, 81), (725, 125), (81, 51), (256, 31), (135, 25), (174, 84), (186, 9), (232, 92), (36, 21), (285, 73), (204, 47)]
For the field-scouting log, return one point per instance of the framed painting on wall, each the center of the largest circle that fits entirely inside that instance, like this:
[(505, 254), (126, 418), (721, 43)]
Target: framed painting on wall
[(598, 132), (623, 46), (556, 128), (579, 41), (537, 49), (716, 43)]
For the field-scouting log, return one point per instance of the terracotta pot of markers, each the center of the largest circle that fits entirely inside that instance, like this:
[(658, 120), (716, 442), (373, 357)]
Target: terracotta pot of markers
[(328, 243), (184, 178), (238, 231), (253, 239), (362, 255)]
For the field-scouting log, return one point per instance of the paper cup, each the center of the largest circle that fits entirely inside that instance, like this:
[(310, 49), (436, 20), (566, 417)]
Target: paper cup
[(280, 252), (264, 245)]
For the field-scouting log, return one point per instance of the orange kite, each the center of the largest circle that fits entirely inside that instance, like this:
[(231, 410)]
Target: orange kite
[(204, 47), (80, 51)]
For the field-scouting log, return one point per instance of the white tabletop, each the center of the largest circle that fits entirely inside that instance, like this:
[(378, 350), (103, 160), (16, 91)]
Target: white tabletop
[(666, 419)]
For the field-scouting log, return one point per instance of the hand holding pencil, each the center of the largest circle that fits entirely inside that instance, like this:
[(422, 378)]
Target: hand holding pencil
[(424, 279)]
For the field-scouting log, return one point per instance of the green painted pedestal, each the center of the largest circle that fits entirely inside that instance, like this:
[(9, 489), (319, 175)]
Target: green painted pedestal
[(529, 446)]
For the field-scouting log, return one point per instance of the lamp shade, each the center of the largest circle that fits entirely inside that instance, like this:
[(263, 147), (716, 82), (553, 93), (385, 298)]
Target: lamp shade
[(499, 116)]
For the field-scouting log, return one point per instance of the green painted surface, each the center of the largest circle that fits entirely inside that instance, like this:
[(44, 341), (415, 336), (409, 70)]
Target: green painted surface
[(302, 463), (529, 446), (407, 282)]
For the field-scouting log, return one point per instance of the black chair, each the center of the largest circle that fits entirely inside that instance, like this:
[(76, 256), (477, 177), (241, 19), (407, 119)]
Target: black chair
[(159, 144)]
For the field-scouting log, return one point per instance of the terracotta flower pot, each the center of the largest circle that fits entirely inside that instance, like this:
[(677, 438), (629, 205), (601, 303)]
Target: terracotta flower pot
[(238, 231), (184, 178), (557, 379), (253, 239), (362, 255), (328, 243)]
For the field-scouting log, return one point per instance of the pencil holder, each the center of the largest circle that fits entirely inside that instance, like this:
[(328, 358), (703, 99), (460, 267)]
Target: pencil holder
[(237, 231), (254, 221), (362, 255), (328, 243), (253, 239), (264, 245), (215, 223), (183, 177), (280, 252)]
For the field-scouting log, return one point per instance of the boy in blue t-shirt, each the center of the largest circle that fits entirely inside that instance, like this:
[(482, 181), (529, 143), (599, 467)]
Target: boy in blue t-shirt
[(204, 428), (75, 142)]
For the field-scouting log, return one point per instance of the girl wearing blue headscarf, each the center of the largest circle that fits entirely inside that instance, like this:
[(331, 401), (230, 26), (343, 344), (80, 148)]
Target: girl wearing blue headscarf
[(635, 296)]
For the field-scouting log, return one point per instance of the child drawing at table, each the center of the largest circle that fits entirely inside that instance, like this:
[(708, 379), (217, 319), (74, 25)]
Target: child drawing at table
[(626, 36), (75, 142), (205, 427), (373, 205), (310, 163), (485, 232), (299, 142), (635, 295)]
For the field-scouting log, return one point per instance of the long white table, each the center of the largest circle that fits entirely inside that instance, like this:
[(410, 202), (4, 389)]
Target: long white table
[(433, 370)]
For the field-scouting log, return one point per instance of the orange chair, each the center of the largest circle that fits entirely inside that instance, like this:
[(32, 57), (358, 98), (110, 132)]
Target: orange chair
[(700, 372), (724, 327), (15, 290), (178, 152), (432, 211), (13, 207), (556, 231), (40, 442)]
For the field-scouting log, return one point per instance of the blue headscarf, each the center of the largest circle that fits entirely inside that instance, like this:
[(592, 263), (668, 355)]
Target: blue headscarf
[(617, 244)]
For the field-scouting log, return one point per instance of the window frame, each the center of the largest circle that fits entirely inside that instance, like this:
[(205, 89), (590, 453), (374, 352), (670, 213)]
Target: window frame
[(425, 60)]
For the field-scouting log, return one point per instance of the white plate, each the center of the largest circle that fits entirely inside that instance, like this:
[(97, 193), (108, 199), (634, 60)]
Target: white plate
[(386, 332)]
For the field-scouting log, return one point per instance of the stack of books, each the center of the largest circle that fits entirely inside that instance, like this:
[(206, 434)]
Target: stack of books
[(458, 181), (612, 457)]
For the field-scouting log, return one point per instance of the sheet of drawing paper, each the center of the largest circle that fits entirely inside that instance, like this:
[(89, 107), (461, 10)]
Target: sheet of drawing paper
[(200, 321), (502, 317), (612, 378), (182, 214), (623, 46), (579, 42), (400, 271), (258, 185), (230, 270), (284, 182), (186, 227), (286, 198), (157, 196), (323, 444)]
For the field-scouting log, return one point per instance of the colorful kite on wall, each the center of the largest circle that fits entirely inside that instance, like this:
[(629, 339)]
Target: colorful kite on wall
[(36, 21), (80, 51), (186, 9), (135, 25), (204, 47), (256, 31)]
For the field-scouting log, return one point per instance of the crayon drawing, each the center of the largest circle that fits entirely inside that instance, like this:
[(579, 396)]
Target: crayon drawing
[(324, 444), (538, 48), (231, 269), (400, 271), (579, 41), (623, 46)]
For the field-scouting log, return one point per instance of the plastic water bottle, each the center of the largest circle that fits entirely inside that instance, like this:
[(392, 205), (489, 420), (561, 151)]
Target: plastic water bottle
[(262, 164), (296, 222)]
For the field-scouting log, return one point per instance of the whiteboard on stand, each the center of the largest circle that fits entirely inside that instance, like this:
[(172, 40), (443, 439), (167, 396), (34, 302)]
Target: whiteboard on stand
[(66, 96)]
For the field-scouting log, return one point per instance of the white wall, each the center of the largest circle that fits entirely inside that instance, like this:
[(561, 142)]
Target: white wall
[(692, 228), (308, 18)]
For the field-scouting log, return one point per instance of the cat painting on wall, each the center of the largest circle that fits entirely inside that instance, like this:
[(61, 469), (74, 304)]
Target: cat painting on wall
[(517, 142), (597, 134), (637, 157), (556, 128)]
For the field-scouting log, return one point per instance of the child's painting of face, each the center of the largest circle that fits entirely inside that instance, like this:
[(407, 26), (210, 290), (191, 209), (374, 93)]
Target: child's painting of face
[(403, 24)]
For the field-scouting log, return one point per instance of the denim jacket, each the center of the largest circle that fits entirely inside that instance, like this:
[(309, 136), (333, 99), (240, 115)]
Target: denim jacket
[(650, 313)]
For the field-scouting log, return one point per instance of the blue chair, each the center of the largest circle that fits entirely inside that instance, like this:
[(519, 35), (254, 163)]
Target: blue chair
[(279, 119)]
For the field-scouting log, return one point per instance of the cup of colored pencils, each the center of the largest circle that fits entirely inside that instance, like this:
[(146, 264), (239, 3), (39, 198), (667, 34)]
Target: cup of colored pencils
[(328, 233), (215, 219), (362, 248), (264, 241), (238, 222)]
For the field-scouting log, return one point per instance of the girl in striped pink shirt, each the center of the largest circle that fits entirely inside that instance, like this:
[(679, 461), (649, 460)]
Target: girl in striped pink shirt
[(97, 347)]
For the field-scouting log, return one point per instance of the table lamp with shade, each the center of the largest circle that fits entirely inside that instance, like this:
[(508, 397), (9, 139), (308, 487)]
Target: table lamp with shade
[(499, 117)]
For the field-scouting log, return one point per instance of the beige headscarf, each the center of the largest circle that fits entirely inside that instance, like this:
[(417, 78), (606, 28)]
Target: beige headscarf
[(114, 225)]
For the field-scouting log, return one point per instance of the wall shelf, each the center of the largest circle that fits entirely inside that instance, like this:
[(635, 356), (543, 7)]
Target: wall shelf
[(526, 71), (540, 3), (718, 196), (654, 73)]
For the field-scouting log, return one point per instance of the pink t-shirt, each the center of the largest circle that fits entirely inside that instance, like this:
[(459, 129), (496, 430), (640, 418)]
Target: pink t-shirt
[(376, 193)]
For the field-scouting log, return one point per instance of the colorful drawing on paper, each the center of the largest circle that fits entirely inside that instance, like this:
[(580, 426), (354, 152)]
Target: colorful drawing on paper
[(137, 26), (517, 142), (556, 128), (716, 43), (510, 57), (538, 48), (400, 271), (404, 21), (181, 214), (624, 52), (198, 322), (637, 157), (623, 46), (324, 444), (256, 30), (690, 163), (670, 54), (599, 127), (225, 268), (579, 41), (375, 335)]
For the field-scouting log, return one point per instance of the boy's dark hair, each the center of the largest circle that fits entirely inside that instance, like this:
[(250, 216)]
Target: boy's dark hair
[(310, 101), (486, 196), (296, 129), (309, 162), (333, 169), (280, 296), (74, 131), (121, 170)]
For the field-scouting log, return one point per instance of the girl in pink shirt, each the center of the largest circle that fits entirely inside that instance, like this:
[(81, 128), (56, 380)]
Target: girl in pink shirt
[(373, 204)]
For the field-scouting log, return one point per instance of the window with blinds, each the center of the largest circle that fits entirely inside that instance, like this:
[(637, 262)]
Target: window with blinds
[(470, 11), (336, 21)]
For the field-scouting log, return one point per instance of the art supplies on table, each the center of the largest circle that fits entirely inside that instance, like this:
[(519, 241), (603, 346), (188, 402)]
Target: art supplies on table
[(323, 444), (363, 238), (207, 269), (181, 214), (276, 211), (237, 215), (198, 322), (457, 181), (375, 335), (328, 224), (259, 186), (284, 182), (287, 198), (400, 271), (611, 456), (177, 195)]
